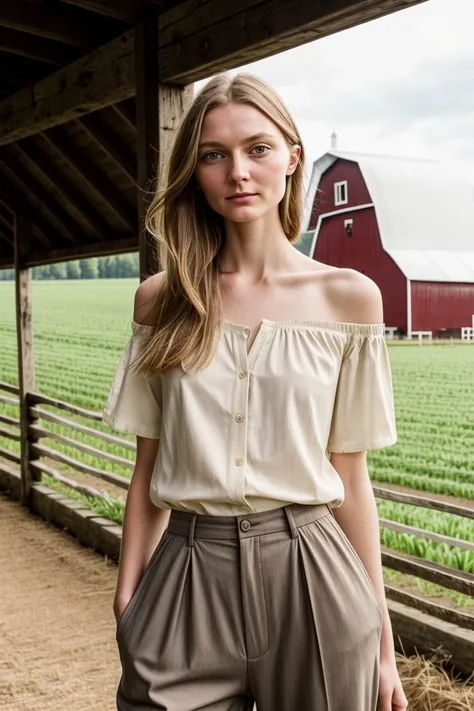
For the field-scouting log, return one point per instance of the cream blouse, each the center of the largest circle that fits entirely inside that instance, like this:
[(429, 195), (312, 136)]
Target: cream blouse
[(253, 431)]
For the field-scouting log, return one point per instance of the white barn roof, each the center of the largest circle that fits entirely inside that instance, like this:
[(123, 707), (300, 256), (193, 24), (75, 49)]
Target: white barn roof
[(425, 213)]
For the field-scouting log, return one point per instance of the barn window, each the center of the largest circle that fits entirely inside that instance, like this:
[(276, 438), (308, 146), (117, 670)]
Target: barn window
[(340, 193)]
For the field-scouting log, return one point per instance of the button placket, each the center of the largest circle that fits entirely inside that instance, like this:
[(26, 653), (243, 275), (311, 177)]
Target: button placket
[(241, 416)]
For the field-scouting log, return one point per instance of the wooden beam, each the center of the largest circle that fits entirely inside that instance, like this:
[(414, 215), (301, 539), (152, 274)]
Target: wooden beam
[(102, 184), (195, 40), (73, 233), (71, 26), (24, 328), (110, 144), (5, 239), (105, 76), (124, 113), (18, 203), (64, 185), (37, 48), (83, 251), (125, 10)]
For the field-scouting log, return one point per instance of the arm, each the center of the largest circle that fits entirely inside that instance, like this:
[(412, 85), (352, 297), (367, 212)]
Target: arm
[(358, 517), (143, 523)]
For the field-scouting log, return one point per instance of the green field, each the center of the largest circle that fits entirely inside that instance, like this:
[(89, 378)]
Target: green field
[(81, 327)]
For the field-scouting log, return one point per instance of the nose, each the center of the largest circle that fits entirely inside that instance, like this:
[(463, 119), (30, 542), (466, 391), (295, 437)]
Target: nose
[(238, 170)]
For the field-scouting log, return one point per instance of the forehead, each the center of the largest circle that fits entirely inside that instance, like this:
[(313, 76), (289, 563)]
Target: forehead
[(234, 122)]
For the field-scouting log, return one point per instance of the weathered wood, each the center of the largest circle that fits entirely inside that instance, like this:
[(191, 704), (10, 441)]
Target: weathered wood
[(7, 420), (81, 488), (37, 48), (41, 432), (5, 239), (64, 422), (125, 115), (193, 52), (9, 401), (125, 10), (423, 501), (72, 231), (38, 399), (40, 450), (427, 634), (159, 109), (427, 570), (429, 535), (103, 77), (21, 205), (447, 614), (10, 435), (117, 151), (84, 251), (72, 26), (24, 326), (105, 188), (11, 456), (64, 185)]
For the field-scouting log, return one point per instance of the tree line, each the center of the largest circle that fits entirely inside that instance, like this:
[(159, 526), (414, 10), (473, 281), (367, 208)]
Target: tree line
[(118, 266)]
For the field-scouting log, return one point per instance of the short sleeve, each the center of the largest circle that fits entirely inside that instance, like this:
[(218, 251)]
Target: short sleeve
[(134, 401), (364, 415)]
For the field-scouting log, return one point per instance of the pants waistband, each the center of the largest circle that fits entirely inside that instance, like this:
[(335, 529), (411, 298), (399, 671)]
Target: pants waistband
[(287, 518)]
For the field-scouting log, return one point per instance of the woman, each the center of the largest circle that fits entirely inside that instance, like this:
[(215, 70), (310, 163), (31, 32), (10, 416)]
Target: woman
[(255, 380)]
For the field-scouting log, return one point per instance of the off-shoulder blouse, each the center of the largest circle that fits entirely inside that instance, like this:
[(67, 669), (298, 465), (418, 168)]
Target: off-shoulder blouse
[(254, 430)]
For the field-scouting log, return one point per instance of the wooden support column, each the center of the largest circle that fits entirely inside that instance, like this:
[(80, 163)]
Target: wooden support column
[(24, 328), (159, 109)]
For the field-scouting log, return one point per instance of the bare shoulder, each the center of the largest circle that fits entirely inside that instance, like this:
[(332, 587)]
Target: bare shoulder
[(354, 297), (145, 298)]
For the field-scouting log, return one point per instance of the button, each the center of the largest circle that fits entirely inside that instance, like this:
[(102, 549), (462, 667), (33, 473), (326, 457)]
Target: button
[(239, 418), (242, 375), (245, 525), (239, 462)]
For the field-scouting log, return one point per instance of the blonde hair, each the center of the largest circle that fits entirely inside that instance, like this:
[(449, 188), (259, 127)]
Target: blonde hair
[(189, 234)]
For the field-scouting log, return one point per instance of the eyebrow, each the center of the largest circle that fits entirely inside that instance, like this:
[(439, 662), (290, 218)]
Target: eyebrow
[(255, 137)]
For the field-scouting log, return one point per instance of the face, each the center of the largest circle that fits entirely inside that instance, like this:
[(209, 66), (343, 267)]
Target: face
[(242, 152)]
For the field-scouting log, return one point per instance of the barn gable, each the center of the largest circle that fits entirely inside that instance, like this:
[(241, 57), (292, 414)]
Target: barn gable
[(425, 214)]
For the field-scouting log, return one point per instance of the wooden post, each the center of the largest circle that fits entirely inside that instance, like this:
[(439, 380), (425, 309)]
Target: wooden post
[(159, 109), (24, 329)]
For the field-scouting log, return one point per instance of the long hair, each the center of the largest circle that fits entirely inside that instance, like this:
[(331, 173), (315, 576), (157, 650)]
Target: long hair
[(189, 234)]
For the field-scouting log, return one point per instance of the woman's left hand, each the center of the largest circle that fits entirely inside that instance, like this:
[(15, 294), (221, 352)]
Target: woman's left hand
[(391, 694)]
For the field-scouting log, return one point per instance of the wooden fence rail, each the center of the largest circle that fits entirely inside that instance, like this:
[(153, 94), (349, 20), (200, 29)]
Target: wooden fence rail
[(42, 458)]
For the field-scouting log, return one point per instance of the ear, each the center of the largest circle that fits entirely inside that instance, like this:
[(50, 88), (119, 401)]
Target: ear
[(294, 159)]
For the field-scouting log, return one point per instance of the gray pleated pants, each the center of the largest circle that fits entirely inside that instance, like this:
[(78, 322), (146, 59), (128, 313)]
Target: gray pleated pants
[(272, 608)]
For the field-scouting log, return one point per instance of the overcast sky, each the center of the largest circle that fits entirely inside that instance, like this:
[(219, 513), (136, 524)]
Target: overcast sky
[(399, 85)]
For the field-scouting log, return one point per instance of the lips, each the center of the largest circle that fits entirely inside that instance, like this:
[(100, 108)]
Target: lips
[(240, 195)]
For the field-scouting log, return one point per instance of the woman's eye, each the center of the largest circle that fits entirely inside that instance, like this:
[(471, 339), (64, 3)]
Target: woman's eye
[(265, 149), (213, 155)]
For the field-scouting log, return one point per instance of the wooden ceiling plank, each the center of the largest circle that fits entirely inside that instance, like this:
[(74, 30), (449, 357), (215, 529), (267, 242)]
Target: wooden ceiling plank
[(5, 222), (118, 152), (194, 52), (71, 26), (84, 251), (5, 238), (63, 184), (17, 203), (38, 48), (72, 230), (124, 10), (103, 186), (122, 110), (104, 76)]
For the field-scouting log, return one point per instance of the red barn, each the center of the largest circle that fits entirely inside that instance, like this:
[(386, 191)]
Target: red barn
[(406, 223)]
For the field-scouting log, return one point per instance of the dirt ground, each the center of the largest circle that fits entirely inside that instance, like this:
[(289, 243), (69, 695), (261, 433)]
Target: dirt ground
[(57, 629)]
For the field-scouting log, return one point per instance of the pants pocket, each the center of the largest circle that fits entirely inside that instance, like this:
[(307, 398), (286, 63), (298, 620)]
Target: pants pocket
[(156, 555)]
